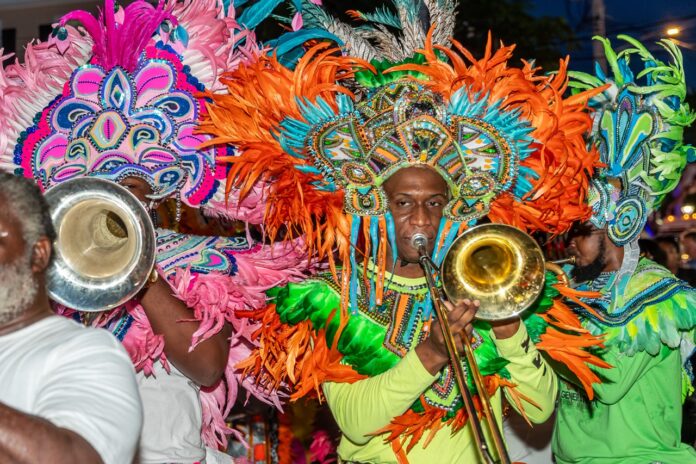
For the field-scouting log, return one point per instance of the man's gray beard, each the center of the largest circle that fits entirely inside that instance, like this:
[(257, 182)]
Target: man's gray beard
[(17, 288)]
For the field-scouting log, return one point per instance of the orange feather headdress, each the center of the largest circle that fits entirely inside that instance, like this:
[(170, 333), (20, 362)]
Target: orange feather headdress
[(324, 136), (505, 139)]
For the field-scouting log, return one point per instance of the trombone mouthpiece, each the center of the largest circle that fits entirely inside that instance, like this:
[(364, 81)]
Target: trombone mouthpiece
[(419, 240)]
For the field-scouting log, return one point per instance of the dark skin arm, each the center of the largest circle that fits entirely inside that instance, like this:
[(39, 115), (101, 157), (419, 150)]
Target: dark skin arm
[(168, 316), (45, 443), (206, 364)]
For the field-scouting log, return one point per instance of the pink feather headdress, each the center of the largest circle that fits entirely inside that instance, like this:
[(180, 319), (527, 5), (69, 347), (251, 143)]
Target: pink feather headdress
[(118, 95)]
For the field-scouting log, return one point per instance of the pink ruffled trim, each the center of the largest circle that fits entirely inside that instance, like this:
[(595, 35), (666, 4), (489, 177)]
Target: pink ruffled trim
[(322, 449), (27, 88), (214, 299), (143, 345), (217, 43), (251, 209)]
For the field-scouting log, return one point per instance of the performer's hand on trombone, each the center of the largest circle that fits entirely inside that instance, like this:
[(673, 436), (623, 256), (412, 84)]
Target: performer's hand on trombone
[(432, 351)]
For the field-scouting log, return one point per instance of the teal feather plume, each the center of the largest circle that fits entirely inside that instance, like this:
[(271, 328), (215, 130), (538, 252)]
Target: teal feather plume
[(638, 130)]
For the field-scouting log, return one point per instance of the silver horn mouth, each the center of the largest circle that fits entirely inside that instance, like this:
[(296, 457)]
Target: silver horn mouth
[(419, 240), (105, 248)]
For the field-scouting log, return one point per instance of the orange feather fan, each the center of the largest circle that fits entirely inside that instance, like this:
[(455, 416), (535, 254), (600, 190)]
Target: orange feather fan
[(259, 96), (561, 159)]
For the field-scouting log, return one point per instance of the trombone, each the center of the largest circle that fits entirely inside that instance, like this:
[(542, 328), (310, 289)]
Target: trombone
[(504, 269), (105, 249)]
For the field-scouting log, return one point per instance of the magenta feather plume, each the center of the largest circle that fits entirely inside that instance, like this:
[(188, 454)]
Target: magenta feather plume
[(215, 43), (322, 449), (120, 42)]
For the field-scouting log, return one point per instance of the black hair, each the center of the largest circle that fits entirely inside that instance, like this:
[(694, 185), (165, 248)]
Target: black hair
[(651, 250), (668, 240)]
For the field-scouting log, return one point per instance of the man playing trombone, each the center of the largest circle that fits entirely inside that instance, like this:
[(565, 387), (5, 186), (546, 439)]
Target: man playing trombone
[(417, 196), (379, 167)]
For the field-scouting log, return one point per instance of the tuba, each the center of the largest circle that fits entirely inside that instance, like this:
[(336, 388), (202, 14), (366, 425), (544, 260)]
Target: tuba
[(504, 269), (105, 245)]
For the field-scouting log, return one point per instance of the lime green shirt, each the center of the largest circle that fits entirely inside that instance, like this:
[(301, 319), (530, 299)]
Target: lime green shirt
[(634, 418), (370, 404)]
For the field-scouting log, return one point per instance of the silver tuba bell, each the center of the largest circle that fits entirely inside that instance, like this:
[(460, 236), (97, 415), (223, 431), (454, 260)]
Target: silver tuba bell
[(105, 246)]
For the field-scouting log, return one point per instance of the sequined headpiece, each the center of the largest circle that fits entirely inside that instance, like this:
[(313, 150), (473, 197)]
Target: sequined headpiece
[(326, 134), (638, 130), (476, 146), (131, 108)]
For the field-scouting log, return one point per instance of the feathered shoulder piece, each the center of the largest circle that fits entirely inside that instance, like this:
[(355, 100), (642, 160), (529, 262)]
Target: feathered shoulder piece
[(655, 308), (305, 341)]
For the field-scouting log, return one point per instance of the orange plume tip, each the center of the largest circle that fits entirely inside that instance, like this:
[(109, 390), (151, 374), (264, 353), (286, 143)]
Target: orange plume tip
[(355, 15)]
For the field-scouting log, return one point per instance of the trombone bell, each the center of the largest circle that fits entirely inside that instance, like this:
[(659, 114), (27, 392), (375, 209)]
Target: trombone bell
[(94, 239), (105, 250), (497, 264)]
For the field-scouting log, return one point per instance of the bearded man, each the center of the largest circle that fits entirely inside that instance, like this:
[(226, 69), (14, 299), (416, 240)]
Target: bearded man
[(54, 371), (642, 310)]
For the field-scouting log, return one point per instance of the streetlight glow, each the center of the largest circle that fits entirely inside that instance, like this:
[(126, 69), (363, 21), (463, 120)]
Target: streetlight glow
[(673, 30)]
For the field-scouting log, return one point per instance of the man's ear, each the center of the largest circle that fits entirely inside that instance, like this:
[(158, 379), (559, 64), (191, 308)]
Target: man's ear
[(41, 254)]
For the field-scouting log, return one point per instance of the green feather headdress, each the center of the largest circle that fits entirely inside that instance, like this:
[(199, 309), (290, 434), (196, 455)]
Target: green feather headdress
[(638, 130)]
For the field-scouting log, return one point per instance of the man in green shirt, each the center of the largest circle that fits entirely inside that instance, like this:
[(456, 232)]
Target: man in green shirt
[(641, 308), (416, 197), (636, 414)]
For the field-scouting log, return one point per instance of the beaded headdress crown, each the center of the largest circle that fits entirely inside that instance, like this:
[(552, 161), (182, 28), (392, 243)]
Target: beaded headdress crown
[(638, 130), (472, 143)]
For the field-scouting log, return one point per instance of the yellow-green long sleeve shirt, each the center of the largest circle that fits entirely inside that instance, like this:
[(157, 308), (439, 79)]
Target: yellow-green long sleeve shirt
[(368, 405), (635, 418)]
